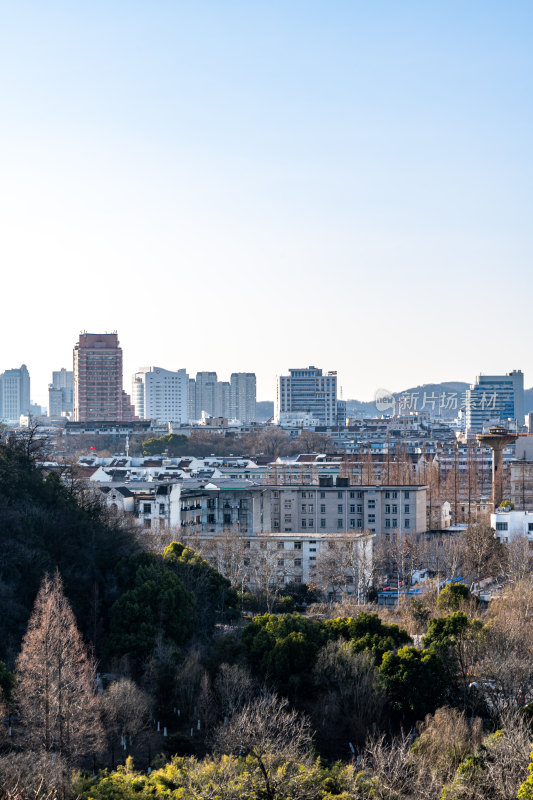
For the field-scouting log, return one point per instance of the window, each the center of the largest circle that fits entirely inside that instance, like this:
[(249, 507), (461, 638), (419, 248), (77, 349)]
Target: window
[(310, 523), (339, 523), (227, 519), (312, 558), (322, 495), (387, 495), (394, 523), (359, 508), (371, 517), (352, 495), (297, 562), (304, 523), (406, 495), (211, 519), (352, 523), (339, 508), (275, 494), (303, 494), (280, 546), (359, 523), (407, 523), (304, 508), (371, 503), (501, 526), (161, 508), (359, 495), (310, 508), (339, 495), (286, 504), (147, 523), (288, 518), (297, 545), (322, 523), (322, 508), (395, 509), (387, 508), (147, 508), (352, 508), (406, 509), (530, 526), (387, 523), (281, 562), (394, 495)]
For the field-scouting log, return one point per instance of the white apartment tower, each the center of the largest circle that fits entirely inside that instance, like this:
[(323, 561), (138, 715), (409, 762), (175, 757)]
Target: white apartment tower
[(161, 394), (243, 396)]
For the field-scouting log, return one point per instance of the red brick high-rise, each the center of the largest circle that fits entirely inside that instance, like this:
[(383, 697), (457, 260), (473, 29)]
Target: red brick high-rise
[(98, 393)]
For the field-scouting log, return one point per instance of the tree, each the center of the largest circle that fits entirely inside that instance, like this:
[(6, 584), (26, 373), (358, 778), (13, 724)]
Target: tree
[(454, 596), (126, 712), (273, 736), (56, 680), (483, 554), (350, 695), (233, 687), (414, 680)]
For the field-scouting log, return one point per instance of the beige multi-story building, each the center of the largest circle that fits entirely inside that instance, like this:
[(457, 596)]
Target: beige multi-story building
[(342, 507)]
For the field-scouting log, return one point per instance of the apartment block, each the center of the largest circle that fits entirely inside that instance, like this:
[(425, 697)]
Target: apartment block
[(161, 394), (97, 382)]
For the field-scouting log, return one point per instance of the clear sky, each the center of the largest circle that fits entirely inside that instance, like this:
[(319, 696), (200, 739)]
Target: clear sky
[(261, 185)]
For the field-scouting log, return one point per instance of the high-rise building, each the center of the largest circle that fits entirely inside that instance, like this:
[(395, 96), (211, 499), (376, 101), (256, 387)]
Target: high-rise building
[(243, 396), (495, 399), (307, 392), (14, 394), (161, 394), (98, 392), (205, 395), (60, 393)]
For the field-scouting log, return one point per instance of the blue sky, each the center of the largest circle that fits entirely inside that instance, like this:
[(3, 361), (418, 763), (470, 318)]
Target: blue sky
[(264, 185)]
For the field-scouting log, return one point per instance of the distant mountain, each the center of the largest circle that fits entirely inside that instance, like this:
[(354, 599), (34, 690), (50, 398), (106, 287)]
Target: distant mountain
[(444, 399), (264, 410)]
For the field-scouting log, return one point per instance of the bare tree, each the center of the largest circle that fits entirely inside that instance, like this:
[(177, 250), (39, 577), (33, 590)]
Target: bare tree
[(56, 680), (276, 738), (233, 687), (127, 713)]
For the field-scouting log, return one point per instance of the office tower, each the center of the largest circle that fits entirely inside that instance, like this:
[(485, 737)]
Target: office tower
[(98, 393), (14, 394), (60, 393), (495, 399), (161, 394), (243, 396), (307, 393)]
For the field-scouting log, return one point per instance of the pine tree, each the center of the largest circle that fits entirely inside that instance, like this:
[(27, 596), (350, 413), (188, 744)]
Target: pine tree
[(56, 680)]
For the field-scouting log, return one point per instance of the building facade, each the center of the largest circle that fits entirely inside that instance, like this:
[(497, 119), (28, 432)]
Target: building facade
[(60, 393), (97, 382), (161, 394), (243, 396), (307, 392), (338, 506), (14, 394), (511, 524), (493, 400)]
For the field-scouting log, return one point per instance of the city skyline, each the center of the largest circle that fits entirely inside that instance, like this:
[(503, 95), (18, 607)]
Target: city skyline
[(343, 180)]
